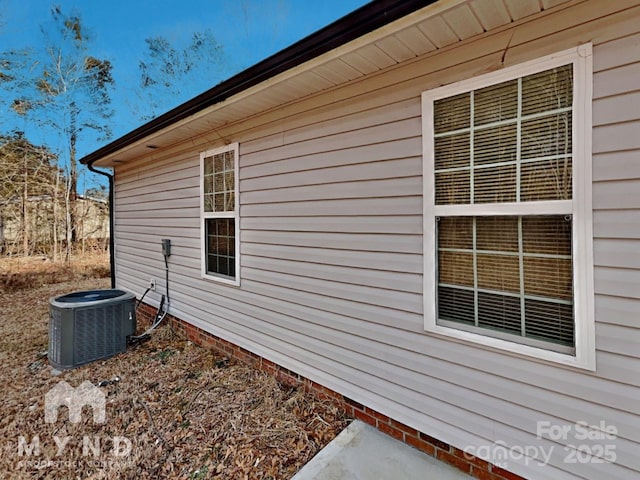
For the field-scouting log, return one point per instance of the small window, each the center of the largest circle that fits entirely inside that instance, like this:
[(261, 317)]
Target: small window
[(219, 213), (507, 178)]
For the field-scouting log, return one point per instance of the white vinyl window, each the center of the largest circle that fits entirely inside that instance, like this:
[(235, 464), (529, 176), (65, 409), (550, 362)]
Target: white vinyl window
[(507, 209), (219, 214)]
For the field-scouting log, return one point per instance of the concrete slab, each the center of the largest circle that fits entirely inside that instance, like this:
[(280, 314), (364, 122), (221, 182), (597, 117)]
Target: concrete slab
[(360, 452)]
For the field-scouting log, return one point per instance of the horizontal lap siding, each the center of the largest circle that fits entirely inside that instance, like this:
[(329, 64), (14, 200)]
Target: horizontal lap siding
[(331, 264), (293, 190), (616, 202)]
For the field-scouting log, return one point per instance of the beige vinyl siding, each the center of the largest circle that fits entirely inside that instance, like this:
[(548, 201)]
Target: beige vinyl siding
[(616, 202), (331, 251)]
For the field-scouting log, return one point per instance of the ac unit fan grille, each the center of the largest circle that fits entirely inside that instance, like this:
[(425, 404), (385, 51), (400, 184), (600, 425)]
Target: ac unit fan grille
[(95, 336)]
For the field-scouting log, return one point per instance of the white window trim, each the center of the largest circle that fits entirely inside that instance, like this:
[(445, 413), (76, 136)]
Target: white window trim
[(581, 205), (207, 215)]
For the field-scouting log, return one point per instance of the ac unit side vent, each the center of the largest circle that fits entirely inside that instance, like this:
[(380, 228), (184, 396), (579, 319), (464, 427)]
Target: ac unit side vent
[(55, 336)]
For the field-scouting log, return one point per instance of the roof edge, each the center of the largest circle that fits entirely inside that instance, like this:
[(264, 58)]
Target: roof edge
[(356, 24)]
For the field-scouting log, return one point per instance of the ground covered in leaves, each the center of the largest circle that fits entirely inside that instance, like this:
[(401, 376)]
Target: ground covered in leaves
[(173, 409)]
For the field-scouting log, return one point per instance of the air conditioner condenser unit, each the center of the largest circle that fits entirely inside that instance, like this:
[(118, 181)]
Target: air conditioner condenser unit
[(89, 325)]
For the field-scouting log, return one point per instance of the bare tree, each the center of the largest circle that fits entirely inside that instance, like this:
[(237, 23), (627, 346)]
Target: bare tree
[(63, 90), (170, 74), (26, 174)]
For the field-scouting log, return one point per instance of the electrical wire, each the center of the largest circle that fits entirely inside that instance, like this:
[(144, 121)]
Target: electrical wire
[(142, 297), (160, 315), (162, 310), (166, 277)]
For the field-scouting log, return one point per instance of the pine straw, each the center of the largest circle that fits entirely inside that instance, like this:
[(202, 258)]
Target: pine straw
[(187, 412)]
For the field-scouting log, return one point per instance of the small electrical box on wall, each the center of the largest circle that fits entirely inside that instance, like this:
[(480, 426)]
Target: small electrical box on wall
[(166, 247)]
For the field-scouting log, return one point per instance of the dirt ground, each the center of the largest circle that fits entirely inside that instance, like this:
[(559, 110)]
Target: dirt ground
[(173, 409)]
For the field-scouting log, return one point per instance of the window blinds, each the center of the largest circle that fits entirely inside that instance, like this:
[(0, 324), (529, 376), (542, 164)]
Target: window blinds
[(510, 142)]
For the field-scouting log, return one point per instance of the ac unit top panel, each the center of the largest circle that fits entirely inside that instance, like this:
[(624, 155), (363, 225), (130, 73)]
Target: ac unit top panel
[(90, 298)]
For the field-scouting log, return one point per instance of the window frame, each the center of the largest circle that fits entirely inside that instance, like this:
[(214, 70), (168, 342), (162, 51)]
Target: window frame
[(580, 205), (235, 214)]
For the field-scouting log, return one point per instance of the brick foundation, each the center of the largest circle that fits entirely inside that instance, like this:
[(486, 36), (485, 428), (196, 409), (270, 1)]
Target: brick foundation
[(473, 466)]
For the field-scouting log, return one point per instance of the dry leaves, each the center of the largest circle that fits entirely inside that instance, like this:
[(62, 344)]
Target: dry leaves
[(21, 273), (177, 411)]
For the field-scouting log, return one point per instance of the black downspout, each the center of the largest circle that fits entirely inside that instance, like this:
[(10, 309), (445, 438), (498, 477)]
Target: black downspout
[(112, 256)]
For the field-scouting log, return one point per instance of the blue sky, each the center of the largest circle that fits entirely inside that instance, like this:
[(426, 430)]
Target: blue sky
[(248, 30)]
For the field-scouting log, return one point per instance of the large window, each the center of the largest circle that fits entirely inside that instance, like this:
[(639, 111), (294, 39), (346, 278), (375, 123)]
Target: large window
[(507, 203), (219, 214)]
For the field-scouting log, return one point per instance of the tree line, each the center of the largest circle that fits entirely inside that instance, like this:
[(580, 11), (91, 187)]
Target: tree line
[(64, 92), (36, 215)]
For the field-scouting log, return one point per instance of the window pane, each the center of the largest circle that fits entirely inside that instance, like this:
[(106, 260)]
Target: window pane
[(452, 113), (208, 184), (455, 232), (546, 136), (496, 103), (502, 263), (452, 187), (219, 182), (208, 165), (548, 277), (552, 322), (538, 149), (498, 272), (548, 90), (547, 234), (495, 144), (495, 184), (229, 184), (222, 184), (219, 202), (499, 312), (228, 161), (231, 245), (220, 245), (212, 263), (212, 242), (208, 203), (497, 233), (219, 179), (223, 265), (230, 202), (455, 268), (546, 180), (452, 151), (456, 305), (222, 227), (218, 163), (231, 262)]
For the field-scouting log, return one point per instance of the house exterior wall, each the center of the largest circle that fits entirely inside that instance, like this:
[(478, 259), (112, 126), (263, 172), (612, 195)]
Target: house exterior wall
[(331, 253)]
